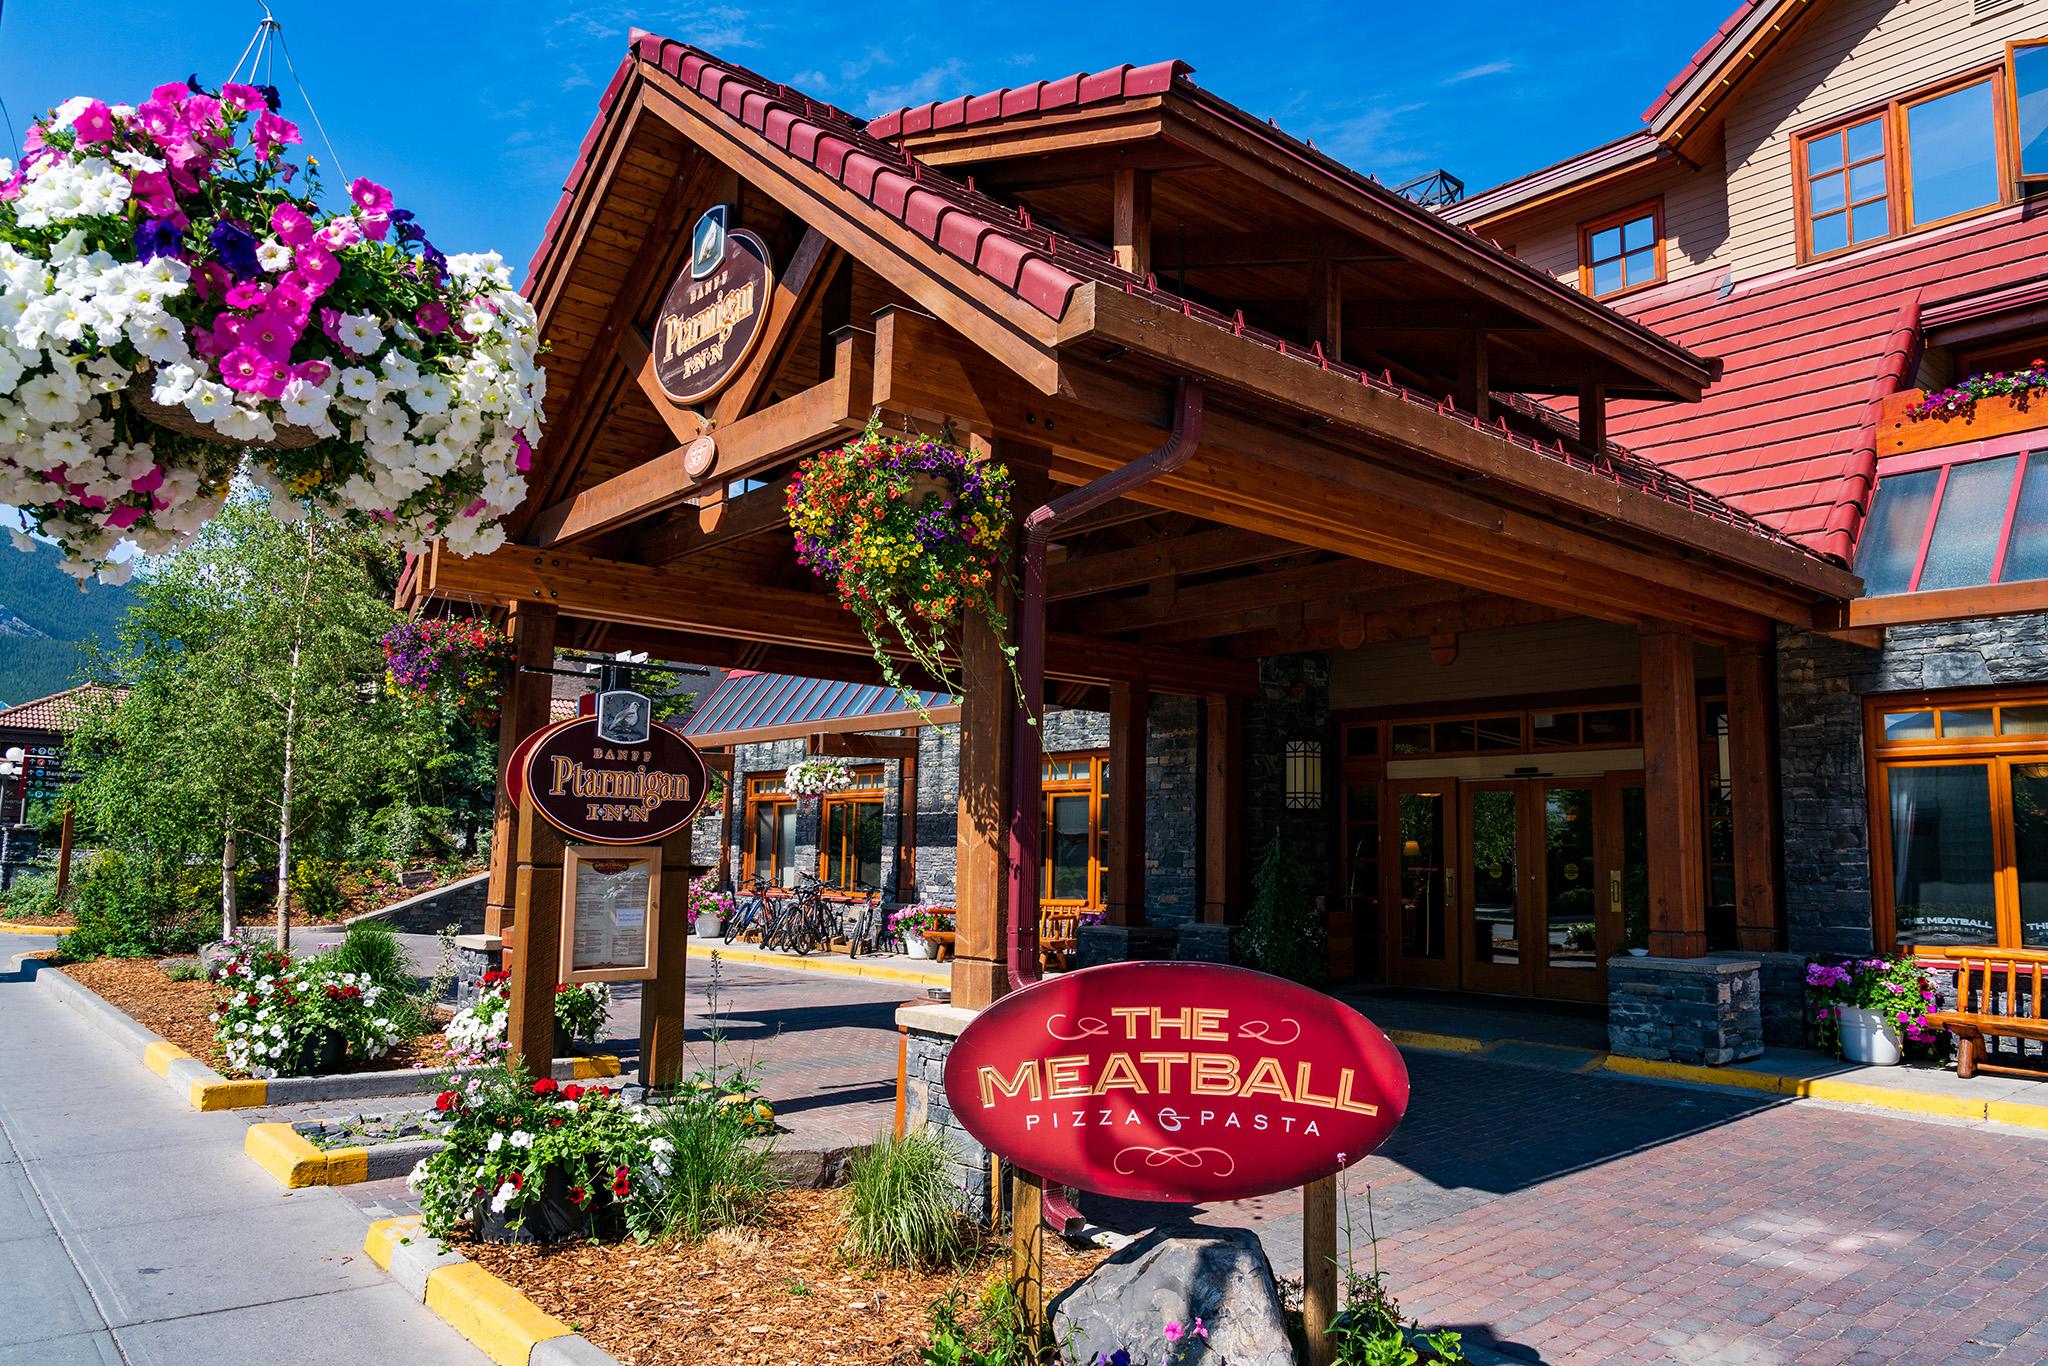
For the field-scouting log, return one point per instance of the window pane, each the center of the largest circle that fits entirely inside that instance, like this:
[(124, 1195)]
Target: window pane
[(1068, 849), (785, 843), (2031, 720), (1830, 233), (764, 841), (1868, 222), (1422, 875), (1866, 139), (1608, 727), (1455, 737), (1866, 181), (1967, 723), (1890, 544), (1568, 877), (2030, 850), (1953, 148), (1639, 233), (1965, 540), (1606, 244), (1941, 854), (1607, 277), (838, 826), (1908, 725), (1642, 267), (1500, 733), (2026, 554), (1411, 739), (1555, 728), (1824, 154), (2030, 83), (867, 840), (1825, 194), (1494, 878)]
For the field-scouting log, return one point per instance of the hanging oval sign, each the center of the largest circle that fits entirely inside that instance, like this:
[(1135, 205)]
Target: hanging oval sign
[(1176, 1081), (608, 792), (710, 322)]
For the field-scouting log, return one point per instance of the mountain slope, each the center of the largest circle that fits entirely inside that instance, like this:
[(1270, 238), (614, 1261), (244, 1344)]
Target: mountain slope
[(42, 617)]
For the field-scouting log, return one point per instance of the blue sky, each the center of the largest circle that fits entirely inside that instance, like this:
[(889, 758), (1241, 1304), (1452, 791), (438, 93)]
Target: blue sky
[(472, 112)]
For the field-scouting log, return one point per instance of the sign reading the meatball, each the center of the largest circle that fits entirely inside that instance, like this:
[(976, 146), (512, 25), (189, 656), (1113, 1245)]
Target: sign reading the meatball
[(1176, 1081), (612, 778)]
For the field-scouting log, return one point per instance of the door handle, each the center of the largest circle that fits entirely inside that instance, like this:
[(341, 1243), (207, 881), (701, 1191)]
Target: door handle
[(1614, 890)]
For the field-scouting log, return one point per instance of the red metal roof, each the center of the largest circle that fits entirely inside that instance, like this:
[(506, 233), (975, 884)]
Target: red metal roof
[(1040, 265), (1116, 84), (1709, 50), (1804, 353)]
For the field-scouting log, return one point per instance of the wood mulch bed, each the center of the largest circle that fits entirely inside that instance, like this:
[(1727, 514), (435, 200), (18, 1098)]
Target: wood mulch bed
[(785, 1294), (53, 923), (178, 1011)]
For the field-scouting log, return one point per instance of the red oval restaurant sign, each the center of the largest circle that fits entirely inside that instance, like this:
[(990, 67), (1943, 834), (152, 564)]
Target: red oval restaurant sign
[(1176, 1081), (607, 792)]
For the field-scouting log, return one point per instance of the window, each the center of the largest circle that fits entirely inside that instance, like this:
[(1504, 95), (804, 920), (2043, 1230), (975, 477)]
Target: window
[(1928, 158), (850, 855), (1959, 525), (1959, 815), (2027, 74), (1073, 868), (771, 831), (1623, 251)]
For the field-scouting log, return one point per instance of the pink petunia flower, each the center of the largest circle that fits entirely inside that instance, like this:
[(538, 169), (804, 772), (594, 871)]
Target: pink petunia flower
[(524, 460), (152, 190), (272, 336), (375, 226), (1173, 1331), (277, 373), (314, 372), (292, 226), (433, 317), (94, 124), (316, 267), (123, 517), (271, 135), (247, 294), (235, 95), (243, 369), (339, 233), (149, 483), (369, 196)]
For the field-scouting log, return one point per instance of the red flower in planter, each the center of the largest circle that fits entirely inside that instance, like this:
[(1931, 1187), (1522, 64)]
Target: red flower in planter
[(545, 1086), (447, 1101), (572, 1092), (577, 1195), (622, 1184), (518, 1181)]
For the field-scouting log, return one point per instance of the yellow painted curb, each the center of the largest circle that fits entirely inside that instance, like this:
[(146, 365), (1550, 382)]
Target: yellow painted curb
[(503, 1324), (2017, 1112), (1705, 1076), (346, 1166), (1441, 1043), (1885, 1098), (228, 1095), (159, 1056), (284, 1152), (595, 1066), (55, 931), (386, 1235), (834, 966)]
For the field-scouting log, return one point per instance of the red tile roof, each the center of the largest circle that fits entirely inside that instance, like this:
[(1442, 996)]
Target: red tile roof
[(1040, 97), (58, 712), (1039, 265), (1709, 50), (1805, 353)]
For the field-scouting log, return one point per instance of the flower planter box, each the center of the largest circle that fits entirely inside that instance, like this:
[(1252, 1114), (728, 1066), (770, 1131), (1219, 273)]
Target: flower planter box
[(553, 1218), (319, 1055), (1898, 434), (708, 926)]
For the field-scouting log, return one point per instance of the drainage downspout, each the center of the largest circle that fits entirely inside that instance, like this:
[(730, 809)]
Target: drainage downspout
[(1026, 750)]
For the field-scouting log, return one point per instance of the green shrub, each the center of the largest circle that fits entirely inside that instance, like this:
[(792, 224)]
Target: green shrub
[(1282, 932), (999, 1334), (372, 948), (134, 907), (316, 889), (903, 1203), (30, 898), (186, 972), (718, 1177)]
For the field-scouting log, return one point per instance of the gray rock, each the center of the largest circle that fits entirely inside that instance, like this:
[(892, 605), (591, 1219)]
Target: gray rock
[(1222, 1277)]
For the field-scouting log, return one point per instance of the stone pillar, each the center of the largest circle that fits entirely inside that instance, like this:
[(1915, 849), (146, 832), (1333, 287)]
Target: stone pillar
[(1705, 1011), (1752, 771), (523, 711), (982, 835), (1671, 790), (929, 1032), (1123, 817)]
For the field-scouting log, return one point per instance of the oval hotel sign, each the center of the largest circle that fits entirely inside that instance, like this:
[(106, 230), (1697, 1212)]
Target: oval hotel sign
[(1176, 1081), (714, 313), (595, 779)]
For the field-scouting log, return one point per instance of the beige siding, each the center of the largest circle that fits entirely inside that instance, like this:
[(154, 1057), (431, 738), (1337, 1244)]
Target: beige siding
[(1737, 213)]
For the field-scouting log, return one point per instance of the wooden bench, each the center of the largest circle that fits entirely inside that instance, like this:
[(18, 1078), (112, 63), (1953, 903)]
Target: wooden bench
[(1981, 974), (1058, 933), (941, 942)]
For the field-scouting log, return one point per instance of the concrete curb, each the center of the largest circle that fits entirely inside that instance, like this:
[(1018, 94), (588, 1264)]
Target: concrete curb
[(297, 1162), (205, 1089), (831, 965), (500, 1322), (53, 931)]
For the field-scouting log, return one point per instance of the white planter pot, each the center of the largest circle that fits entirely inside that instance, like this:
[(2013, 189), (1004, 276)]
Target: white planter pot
[(1869, 1037), (916, 945), (708, 927)]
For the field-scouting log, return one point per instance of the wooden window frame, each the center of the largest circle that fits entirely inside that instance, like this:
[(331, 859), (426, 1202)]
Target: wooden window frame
[(2015, 167), (1897, 158), (1090, 787), (852, 796), (1946, 460), (1653, 209), (1997, 752), (761, 788)]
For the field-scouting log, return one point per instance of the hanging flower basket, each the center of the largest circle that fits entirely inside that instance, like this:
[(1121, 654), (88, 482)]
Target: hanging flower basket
[(462, 660), (817, 777), (912, 533), (179, 304)]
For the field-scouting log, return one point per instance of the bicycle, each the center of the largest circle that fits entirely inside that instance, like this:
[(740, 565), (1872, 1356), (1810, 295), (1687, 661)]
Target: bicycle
[(749, 912), (870, 926), (812, 920)]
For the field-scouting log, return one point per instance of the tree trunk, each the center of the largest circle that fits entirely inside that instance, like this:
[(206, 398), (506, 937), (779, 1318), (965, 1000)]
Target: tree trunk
[(230, 903), (284, 815)]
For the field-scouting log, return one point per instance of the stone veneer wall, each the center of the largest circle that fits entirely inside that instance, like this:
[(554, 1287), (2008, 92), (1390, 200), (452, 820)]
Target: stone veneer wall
[(929, 1035), (1293, 704), (1821, 686)]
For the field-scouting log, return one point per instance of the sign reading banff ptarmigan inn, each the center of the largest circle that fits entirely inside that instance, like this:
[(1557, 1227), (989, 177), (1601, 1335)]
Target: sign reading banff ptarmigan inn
[(713, 313), (1175, 1081), (615, 777)]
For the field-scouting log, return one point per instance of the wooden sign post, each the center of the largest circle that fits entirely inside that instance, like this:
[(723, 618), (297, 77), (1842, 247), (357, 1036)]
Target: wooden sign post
[(1319, 1267)]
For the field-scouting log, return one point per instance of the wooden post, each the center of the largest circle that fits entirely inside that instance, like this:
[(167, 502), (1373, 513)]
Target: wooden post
[(533, 942), (981, 863), (1475, 387), (1222, 820), (1319, 1266), (725, 817), (1027, 1244), (1124, 819), (906, 825), (523, 711), (1593, 416), (1131, 220), (64, 855), (664, 999), (1753, 799), (1672, 792), (1326, 305)]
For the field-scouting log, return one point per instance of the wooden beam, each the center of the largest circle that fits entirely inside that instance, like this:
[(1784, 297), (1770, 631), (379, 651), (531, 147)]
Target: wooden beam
[(631, 346), (1200, 552), (861, 745), (799, 293), (1250, 593), (1268, 247), (1326, 306), (1948, 604), (1349, 630), (1753, 799), (1222, 796), (1130, 231), (1123, 820), (1672, 793), (982, 829), (1475, 389), (1593, 417), (690, 530), (529, 695), (680, 598)]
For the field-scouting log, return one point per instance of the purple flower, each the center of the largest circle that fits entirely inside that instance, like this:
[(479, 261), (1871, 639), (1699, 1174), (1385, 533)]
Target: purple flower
[(156, 237), (235, 246)]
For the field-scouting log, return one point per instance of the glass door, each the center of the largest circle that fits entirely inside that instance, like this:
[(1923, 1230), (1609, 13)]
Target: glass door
[(1574, 889), (1494, 911), (1421, 884)]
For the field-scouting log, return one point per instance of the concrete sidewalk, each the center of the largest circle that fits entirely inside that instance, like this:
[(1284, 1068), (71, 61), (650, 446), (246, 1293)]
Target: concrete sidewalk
[(133, 1230)]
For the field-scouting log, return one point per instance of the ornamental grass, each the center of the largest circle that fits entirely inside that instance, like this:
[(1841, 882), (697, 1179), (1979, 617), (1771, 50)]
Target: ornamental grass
[(903, 1206)]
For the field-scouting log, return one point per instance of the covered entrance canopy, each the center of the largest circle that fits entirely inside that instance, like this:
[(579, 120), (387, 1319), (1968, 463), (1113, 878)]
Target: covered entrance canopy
[(1371, 464)]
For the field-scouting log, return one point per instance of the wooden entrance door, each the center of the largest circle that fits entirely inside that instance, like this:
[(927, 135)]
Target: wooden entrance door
[(1420, 828)]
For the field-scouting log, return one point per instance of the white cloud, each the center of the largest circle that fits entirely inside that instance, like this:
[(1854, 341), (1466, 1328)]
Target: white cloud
[(947, 79), (1473, 73)]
